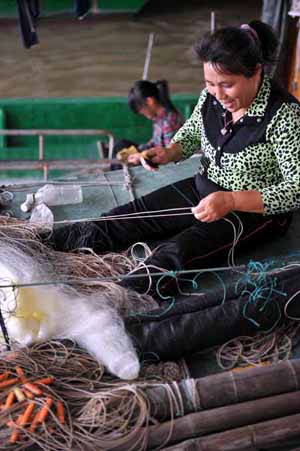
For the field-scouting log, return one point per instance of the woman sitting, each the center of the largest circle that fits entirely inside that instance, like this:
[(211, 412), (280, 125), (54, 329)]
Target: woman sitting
[(151, 100), (248, 183)]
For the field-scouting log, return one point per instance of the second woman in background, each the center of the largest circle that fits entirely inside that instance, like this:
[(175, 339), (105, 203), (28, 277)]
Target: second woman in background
[(151, 100)]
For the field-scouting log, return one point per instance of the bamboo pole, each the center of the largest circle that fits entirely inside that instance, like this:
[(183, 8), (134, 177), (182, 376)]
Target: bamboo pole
[(224, 418), (192, 395), (266, 435)]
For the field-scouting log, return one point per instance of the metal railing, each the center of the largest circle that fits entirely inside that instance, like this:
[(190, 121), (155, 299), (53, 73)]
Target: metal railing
[(41, 163)]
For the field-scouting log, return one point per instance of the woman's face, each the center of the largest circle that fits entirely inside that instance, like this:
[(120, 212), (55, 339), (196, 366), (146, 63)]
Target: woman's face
[(234, 92), (150, 109)]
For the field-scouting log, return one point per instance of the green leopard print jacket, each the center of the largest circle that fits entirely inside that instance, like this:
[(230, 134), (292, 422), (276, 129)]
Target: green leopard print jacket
[(260, 152)]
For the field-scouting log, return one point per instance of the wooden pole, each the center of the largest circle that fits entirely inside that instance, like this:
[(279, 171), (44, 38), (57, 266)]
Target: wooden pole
[(148, 56), (95, 9), (212, 22)]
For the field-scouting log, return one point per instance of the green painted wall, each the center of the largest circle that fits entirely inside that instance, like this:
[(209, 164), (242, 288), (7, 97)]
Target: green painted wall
[(8, 8)]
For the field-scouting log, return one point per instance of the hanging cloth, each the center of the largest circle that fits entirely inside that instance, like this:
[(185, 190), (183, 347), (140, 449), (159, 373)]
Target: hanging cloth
[(275, 13), (295, 12), (82, 8), (295, 82), (28, 11)]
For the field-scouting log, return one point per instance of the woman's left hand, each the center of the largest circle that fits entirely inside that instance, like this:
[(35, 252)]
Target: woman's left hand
[(214, 206)]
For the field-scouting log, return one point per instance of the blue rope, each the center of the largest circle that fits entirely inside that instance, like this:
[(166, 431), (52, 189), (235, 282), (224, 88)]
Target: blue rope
[(259, 287), (162, 297)]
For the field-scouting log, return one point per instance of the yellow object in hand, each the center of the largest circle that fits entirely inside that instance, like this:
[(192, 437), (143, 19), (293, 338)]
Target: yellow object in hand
[(124, 153)]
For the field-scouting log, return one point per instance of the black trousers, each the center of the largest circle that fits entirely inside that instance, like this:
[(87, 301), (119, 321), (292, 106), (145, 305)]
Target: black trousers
[(186, 243)]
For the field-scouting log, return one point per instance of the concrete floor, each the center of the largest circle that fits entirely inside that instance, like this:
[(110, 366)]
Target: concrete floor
[(104, 55)]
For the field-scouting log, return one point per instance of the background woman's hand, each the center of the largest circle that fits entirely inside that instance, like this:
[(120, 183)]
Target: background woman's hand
[(135, 158), (214, 206)]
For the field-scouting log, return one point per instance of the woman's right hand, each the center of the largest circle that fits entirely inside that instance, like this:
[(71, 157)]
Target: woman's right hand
[(143, 157), (158, 155), (164, 155)]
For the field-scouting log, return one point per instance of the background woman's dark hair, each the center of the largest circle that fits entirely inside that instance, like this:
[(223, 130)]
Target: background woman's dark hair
[(238, 50), (144, 88)]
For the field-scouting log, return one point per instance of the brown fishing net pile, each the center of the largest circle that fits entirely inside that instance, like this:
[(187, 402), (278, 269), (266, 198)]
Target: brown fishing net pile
[(100, 412)]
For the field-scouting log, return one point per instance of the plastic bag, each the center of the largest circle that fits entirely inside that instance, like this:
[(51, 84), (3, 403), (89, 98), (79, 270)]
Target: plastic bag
[(42, 215)]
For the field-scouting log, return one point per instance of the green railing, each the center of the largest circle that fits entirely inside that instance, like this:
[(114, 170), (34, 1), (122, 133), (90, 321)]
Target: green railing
[(109, 113)]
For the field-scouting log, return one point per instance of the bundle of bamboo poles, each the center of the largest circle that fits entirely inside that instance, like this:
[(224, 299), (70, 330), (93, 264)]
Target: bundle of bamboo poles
[(91, 410), (254, 409)]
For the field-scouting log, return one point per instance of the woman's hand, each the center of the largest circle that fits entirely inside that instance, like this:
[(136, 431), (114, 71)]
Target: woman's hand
[(158, 155), (135, 158), (161, 155), (217, 205), (149, 156), (214, 206)]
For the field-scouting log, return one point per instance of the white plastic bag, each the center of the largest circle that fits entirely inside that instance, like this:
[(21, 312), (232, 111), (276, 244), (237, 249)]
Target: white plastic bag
[(42, 215)]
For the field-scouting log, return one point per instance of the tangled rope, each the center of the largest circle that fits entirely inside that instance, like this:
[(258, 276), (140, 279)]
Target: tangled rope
[(261, 348), (100, 412)]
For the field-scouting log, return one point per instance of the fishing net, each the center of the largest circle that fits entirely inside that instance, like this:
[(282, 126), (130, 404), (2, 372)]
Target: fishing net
[(247, 315)]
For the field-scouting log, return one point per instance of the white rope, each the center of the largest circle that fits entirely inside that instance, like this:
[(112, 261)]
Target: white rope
[(236, 236), (145, 249), (137, 215), (295, 318)]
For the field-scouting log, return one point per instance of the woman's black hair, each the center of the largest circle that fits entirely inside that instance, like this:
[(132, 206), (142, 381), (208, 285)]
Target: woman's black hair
[(143, 88), (239, 50)]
